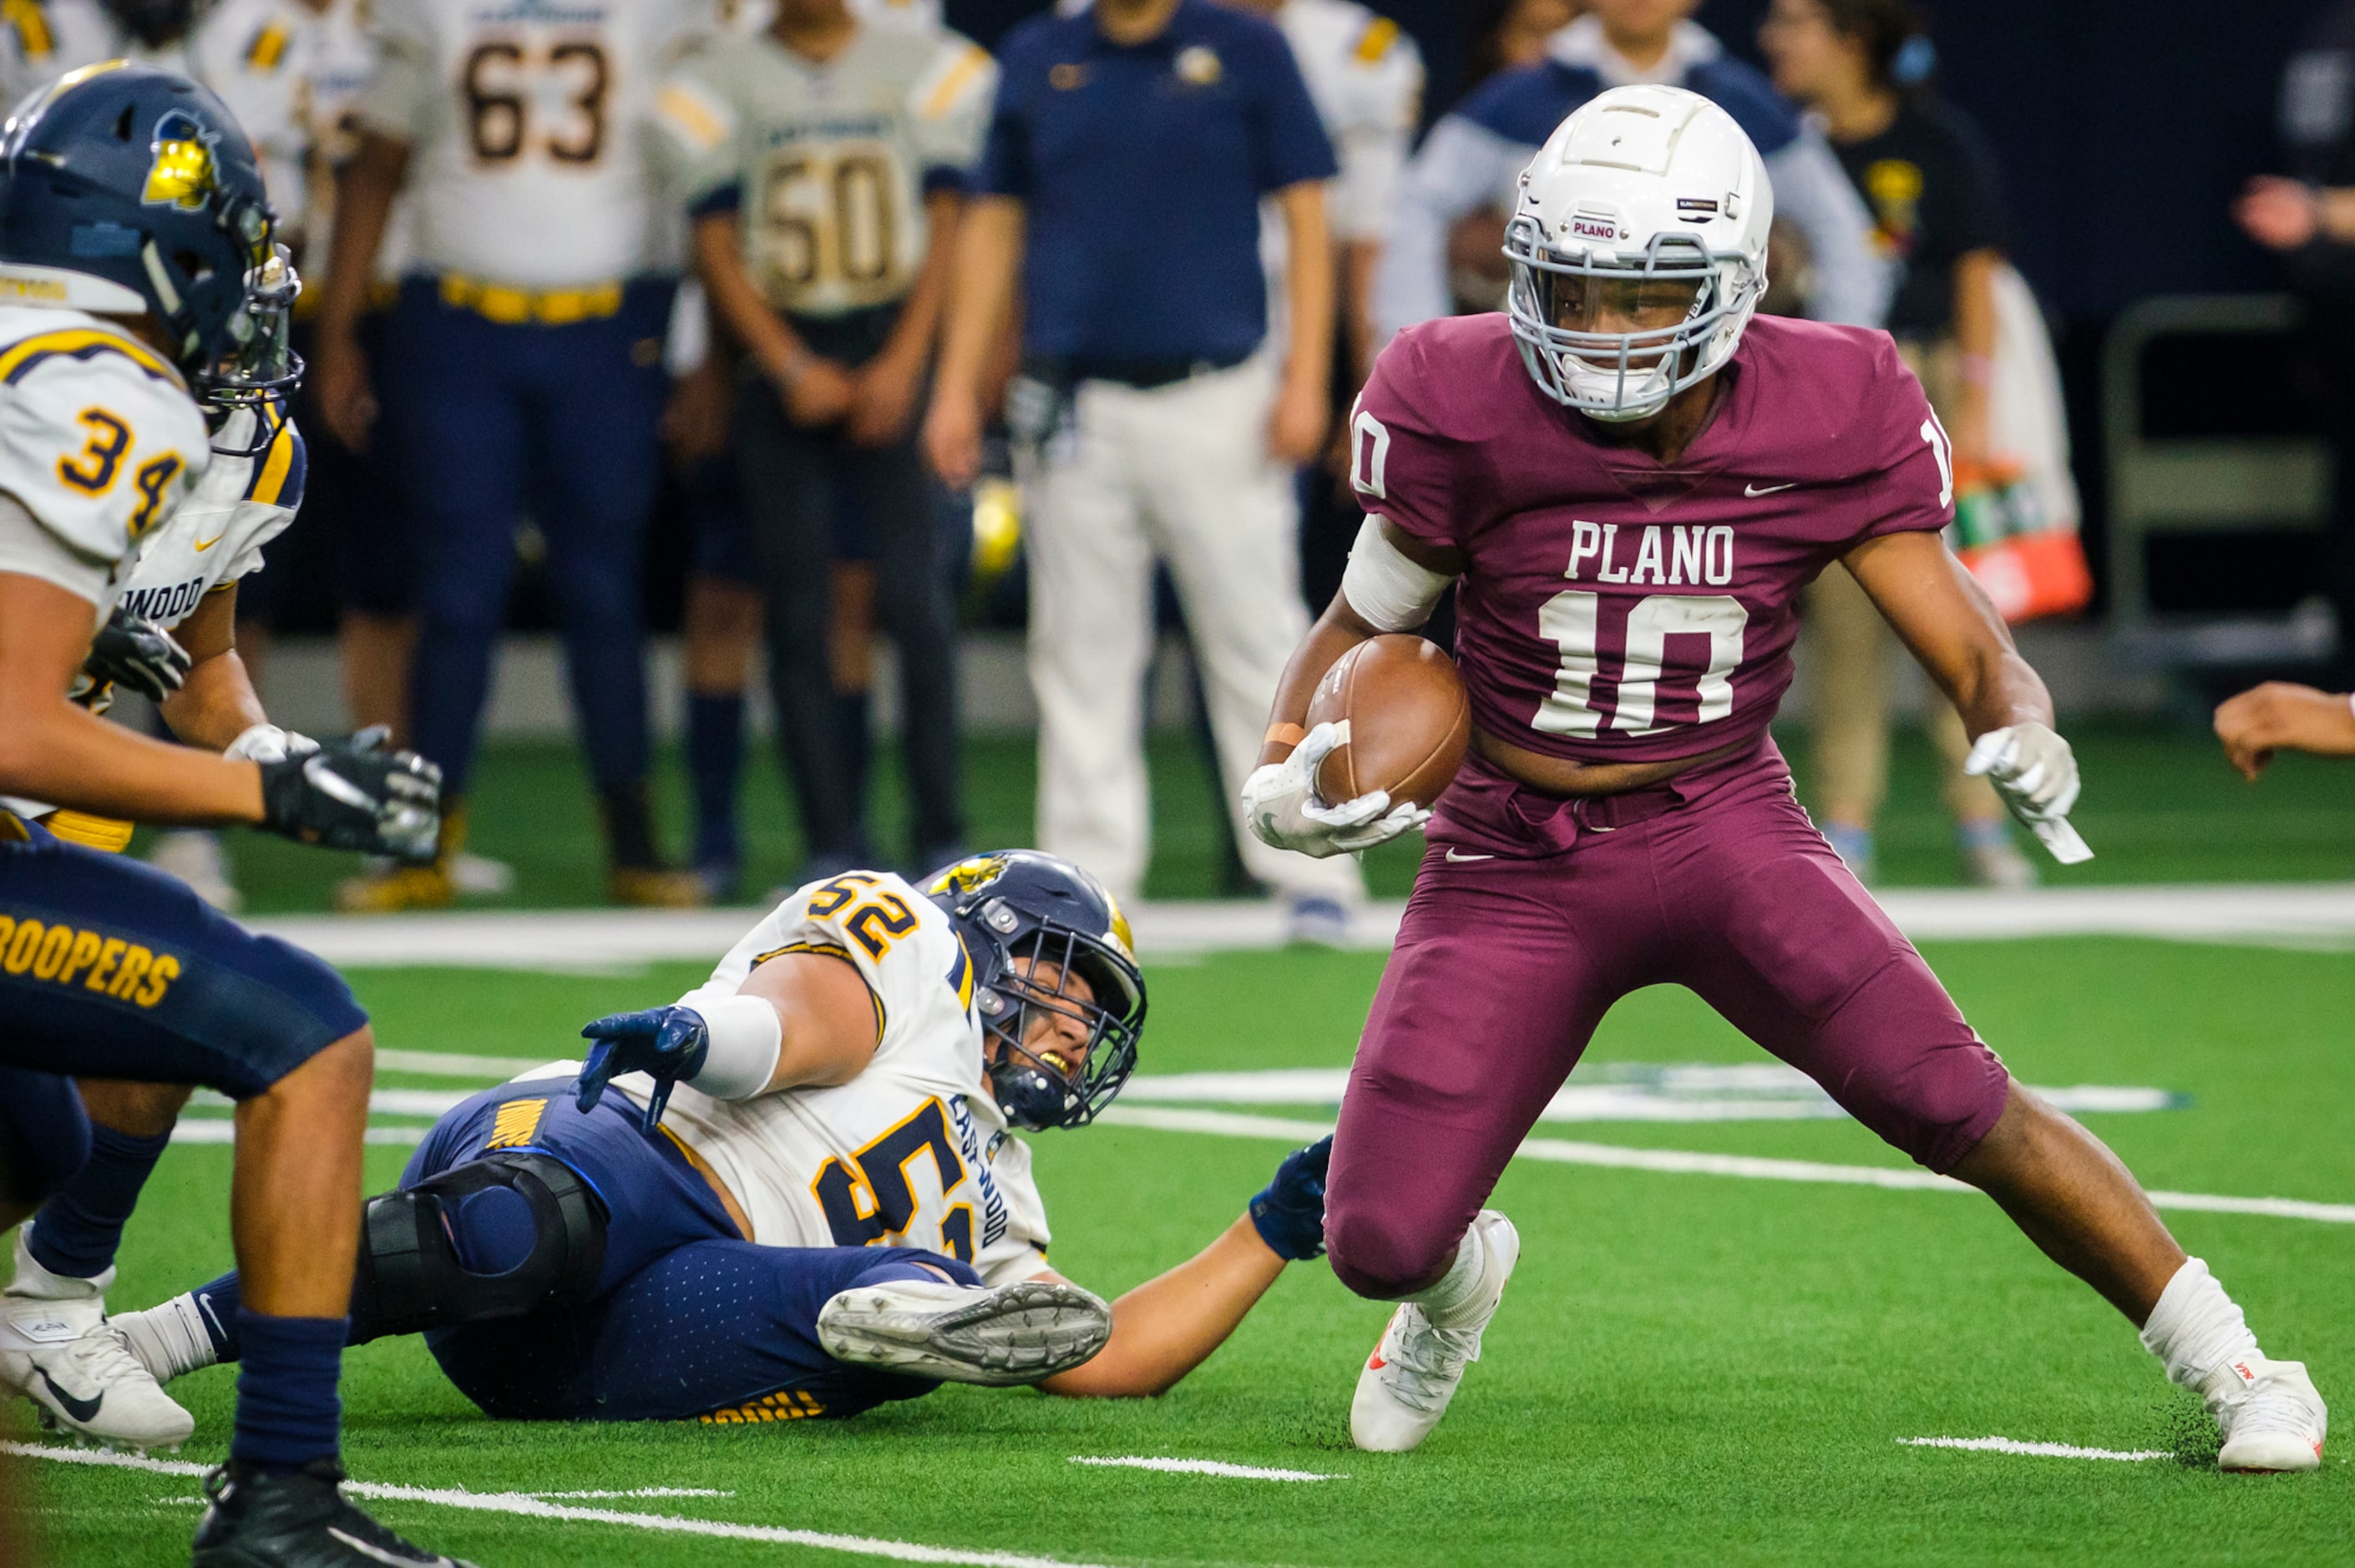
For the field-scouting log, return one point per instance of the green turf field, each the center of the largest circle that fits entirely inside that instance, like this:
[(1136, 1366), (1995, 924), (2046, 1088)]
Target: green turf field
[(2159, 805), (1687, 1368)]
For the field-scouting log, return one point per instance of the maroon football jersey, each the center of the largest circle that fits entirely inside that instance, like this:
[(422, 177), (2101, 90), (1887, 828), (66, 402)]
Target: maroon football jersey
[(1615, 609)]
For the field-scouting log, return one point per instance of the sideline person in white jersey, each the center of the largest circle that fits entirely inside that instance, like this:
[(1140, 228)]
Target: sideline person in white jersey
[(526, 372), (823, 166), (849, 1084), (1156, 417)]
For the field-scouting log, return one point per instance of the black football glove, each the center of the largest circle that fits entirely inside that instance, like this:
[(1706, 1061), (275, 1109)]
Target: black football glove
[(1289, 1213), (356, 795), (133, 653), (669, 1043)]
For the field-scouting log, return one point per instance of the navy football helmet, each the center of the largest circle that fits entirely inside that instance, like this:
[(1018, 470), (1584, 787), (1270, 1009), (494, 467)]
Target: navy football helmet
[(125, 189), (1022, 904)]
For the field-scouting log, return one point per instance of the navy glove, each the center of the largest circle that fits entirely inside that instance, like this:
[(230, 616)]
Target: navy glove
[(669, 1043), (134, 651), (1289, 1213)]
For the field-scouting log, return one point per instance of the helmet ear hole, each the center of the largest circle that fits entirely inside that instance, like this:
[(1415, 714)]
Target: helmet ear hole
[(122, 124), (191, 265)]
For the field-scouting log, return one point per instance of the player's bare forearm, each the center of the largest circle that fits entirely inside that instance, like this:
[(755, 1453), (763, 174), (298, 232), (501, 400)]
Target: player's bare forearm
[(1945, 618), (2281, 715), (1309, 277), (759, 331), (1360, 260), (1169, 1326), (52, 750), (988, 258), (1335, 631), (217, 702), (364, 189), (918, 329)]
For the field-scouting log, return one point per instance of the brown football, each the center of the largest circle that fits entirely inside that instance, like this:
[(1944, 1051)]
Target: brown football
[(1409, 720)]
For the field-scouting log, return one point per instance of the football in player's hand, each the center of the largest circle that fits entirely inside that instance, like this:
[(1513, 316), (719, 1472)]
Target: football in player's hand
[(1408, 717)]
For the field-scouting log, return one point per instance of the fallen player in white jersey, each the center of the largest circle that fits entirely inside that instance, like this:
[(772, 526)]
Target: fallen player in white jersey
[(831, 1210)]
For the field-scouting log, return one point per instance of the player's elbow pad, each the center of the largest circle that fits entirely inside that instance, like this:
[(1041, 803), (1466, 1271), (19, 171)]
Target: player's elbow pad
[(1390, 591), (747, 1037)]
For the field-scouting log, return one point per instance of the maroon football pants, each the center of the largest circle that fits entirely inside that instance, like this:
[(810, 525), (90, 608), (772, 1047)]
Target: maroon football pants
[(1505, 964)]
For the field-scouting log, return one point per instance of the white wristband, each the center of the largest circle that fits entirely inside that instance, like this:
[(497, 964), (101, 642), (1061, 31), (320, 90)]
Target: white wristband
[(747, 1037), (1390, 591)]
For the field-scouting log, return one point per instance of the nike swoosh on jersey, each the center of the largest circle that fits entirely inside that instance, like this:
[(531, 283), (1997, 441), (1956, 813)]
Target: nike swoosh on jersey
[(81, 1410), (1460, 859), (1756, 490), (204, 545)]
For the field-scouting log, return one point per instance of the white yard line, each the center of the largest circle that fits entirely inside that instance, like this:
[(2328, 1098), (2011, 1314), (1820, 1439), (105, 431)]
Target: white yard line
[(603, 941), (1683, 1163), (1205, 1468), (2040, 1450), (530, 1506)]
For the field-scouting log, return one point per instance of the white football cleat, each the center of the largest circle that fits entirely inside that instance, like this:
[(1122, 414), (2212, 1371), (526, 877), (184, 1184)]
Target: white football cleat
[(2269, 1413), (1414, 1372), (74, 1365), (965, 1333)]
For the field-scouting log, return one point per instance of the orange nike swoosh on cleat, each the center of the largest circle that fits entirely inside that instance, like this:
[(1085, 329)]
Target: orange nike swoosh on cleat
[(1377, 1363), (204, 545)]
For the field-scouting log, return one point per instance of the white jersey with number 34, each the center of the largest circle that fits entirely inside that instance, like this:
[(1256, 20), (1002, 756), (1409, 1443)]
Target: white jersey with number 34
[(527, 122)]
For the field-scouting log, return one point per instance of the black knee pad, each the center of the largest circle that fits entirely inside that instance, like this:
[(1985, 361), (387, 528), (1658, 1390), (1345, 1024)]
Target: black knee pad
[(413, 1274)]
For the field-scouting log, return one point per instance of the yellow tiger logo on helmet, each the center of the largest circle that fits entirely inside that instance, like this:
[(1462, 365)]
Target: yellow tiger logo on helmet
[(183, 174), (968, 875)]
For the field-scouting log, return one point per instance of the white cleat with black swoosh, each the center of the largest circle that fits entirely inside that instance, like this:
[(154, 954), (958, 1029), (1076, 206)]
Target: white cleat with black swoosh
[(76, 1367)]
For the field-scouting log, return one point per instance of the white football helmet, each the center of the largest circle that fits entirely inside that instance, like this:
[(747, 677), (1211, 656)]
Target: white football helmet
[(1646, 209)]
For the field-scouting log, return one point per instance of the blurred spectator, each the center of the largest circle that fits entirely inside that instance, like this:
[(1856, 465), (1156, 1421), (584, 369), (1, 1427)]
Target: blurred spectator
[(2280, 716), (1927, 176), (526, 372), (2309, 218), (1473, 156), (1502, 36), (826, 163), (1127, 163)]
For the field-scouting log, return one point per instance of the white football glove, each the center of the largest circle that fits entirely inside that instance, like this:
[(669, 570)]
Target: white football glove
[(2036, 772), (1280, 805), (268, 742)]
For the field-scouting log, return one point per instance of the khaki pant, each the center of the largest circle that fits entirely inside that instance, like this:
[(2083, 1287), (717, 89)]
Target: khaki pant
[(1851, 655)]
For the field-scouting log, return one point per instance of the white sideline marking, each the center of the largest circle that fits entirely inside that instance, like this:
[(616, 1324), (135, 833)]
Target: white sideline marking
[(604, 941), (221, 1129), (1616, 1091), (638, 1492), (2041, 1450), (443, 1065), (1682, 1162), (1206, 1467), (530, 1506)]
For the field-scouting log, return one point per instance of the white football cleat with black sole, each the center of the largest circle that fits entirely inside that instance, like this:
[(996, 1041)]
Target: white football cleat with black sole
[(965, 1333), (2271, 1416), (1415, 1370), (75, 1366)]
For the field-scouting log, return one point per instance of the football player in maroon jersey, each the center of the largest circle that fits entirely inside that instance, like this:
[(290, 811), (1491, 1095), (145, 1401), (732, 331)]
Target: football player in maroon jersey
[(1630, 481)]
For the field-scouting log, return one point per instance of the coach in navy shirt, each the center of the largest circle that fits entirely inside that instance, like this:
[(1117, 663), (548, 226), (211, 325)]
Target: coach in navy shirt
[(1135, 151)]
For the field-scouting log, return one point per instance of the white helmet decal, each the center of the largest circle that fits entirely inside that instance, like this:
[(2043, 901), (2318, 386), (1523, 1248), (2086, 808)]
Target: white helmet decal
[(1651, 183)]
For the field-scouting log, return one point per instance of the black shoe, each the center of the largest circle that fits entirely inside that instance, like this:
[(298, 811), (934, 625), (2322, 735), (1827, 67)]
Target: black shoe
[(296, 1520)]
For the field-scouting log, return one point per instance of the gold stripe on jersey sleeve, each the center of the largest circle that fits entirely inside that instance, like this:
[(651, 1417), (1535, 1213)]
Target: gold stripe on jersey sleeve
[(32, 25), (693, 119), (271, 482), (1375, 42), (269, 47), (108, 834), (972, 63), (80, 343)]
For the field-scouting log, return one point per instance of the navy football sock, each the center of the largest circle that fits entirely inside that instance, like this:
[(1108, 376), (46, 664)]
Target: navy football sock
[(287, 1409), (80, 1228), (715, 761), (219, 1306)]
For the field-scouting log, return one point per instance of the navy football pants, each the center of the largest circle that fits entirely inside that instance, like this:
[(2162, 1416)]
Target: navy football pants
[(689, 1320), (109, 968), (560, 423)]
